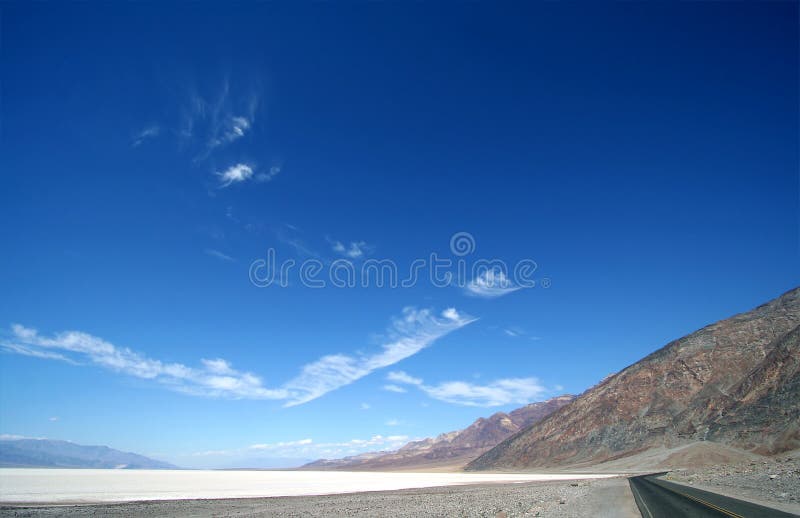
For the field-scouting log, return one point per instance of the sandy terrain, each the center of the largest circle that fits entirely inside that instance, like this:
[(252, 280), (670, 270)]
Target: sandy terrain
[(693, 455), (602, 497)]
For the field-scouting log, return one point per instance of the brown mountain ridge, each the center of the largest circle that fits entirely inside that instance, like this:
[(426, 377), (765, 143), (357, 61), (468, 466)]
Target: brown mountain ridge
[(735, 383), (452, 448)]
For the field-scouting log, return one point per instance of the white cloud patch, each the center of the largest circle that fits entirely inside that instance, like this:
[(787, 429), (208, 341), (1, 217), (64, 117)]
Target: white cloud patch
[(244, 172), (414, 330), (496, 393), (490, 284), (354, 250), (394, 388), (235, 174)]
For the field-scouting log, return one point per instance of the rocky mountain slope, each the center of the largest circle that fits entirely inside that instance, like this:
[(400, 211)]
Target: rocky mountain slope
[(458, 447), (46, 453), (735, 382)]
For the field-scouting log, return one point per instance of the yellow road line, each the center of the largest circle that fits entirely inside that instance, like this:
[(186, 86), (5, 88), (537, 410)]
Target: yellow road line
[(703, 502)]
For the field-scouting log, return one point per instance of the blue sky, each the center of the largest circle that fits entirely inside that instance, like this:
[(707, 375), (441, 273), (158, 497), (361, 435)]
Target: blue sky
[(644, 156)]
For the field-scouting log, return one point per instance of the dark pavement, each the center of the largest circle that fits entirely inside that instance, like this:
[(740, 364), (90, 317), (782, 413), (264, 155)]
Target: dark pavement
[(658, 498)]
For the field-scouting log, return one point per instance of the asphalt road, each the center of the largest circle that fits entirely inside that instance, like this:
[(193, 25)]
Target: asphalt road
[(658, 498)]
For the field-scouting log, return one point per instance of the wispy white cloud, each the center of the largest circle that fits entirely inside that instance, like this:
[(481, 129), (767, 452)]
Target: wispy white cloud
[(218, 120), (354, 250), (53, 419), (414, 330), (268, 175), (393, 422), (35, 353), (231, 128), (242, 172), (147, 133), (278, 445), (496, 393), (518, 332), (235, 174), (402, 377), (394, 388), (490, 284), (210, 120), (208, 380), (219, 255), (365, 406)]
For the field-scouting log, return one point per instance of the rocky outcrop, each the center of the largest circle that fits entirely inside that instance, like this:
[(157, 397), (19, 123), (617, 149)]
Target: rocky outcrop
[(762, 413), (452, 448), (734, 382)]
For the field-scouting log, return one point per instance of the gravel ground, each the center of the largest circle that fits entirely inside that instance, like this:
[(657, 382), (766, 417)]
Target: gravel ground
[(776, 480), (606, 497)]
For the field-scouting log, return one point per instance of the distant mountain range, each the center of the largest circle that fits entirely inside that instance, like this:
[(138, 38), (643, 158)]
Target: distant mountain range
[(453, 448), (46, 453), (734, 383)]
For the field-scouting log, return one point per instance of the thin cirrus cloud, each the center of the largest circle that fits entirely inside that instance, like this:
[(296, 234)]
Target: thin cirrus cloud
[(219, 255), (497, 393), (308, 448), (149, 132), (209, 122), (409, 333), (414, 330), (224, 119), (490, 284)]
